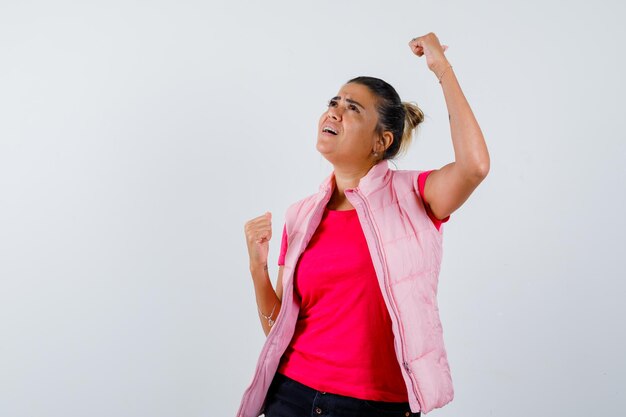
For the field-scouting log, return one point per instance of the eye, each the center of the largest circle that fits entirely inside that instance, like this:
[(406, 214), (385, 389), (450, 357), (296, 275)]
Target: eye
[(332, 103), (353, 107)]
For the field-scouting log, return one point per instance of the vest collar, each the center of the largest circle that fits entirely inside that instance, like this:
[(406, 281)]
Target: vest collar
[(376, 177)]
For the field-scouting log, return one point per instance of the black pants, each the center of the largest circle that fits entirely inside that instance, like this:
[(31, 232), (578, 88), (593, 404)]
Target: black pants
[(289, 398)]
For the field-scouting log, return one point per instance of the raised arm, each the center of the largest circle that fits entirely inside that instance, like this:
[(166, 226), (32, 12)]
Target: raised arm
[(447, 188)]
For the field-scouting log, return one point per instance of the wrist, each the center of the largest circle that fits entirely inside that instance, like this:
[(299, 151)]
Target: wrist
[(440, 66), (445, 73)]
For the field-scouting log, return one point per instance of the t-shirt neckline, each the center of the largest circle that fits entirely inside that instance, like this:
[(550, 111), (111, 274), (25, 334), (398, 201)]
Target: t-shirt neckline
[(340, 211)]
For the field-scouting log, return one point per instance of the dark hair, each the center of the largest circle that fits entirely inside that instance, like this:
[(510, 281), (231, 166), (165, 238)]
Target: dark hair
[(394, 115)]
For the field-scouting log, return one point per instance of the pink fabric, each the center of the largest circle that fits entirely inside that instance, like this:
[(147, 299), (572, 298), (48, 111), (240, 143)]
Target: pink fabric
[(342, 313), (406, 252), (421, 181), (343, 341)]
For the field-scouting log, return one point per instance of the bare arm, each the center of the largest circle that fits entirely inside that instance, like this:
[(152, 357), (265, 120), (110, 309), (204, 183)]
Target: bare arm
[(258, 233), (447, 188), (266, 298)]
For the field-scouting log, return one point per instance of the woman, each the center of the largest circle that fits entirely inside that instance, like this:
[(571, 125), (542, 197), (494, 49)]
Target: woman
[(354, 329)]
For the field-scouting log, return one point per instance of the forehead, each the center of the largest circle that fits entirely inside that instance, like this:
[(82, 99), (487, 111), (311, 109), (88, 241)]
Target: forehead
[(357, 92)]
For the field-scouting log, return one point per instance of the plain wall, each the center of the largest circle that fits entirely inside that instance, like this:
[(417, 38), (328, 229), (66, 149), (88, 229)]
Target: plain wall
[(137, 138)]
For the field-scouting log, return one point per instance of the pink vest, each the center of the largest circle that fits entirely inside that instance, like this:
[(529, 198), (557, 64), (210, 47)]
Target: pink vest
[(406, 250)]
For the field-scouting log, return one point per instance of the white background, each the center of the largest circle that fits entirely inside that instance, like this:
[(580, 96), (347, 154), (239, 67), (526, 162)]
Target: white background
[(137, 138)]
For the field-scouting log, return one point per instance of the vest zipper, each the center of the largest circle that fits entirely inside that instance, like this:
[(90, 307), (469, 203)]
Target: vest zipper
[(405, 364)]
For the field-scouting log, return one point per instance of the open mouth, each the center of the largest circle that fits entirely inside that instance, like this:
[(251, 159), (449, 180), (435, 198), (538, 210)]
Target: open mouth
[(329, 130)]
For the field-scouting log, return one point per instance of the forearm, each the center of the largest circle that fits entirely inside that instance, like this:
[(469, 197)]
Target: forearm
[(267, 301), (470, 150)]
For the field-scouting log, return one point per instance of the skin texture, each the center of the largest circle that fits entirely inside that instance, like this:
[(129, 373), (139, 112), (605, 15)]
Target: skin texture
[(352, 153), (447, 188)]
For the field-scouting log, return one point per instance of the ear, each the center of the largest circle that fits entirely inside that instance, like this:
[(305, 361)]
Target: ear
[(387, 139)]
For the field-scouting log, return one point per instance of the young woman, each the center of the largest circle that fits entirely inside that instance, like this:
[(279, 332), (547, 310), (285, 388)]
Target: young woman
[(353, 327)]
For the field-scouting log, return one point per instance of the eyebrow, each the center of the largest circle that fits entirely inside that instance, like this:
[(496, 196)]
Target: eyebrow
[(349, 100)]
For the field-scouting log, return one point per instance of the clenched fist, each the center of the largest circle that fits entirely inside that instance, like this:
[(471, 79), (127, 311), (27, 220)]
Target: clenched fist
[(429, 46), (258, 234)]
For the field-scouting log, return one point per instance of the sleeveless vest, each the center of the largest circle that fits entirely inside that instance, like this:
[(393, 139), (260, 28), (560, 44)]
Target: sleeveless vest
[(406, 250)]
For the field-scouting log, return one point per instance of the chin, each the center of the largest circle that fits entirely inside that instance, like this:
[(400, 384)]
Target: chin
[(320, 146), (323, 151)]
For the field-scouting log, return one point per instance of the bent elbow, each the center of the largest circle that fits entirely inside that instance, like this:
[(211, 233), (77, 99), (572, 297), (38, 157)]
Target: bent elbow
[(477, 172), (483, 169)]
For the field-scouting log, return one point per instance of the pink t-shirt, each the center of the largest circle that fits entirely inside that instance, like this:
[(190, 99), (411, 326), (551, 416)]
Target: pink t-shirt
[(421, 181), (343, 341)]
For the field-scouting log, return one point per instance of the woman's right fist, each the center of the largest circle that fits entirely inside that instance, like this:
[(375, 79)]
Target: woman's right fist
[(258, 234)]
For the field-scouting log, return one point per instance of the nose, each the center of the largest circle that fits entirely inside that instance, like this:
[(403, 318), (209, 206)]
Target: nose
[(334, 113)]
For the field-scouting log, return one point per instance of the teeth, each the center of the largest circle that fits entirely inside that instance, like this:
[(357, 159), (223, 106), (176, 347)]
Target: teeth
[(328, 129)]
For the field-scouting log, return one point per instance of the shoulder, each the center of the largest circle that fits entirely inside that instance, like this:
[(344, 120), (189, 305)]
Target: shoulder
[(410, 179), (407, 173), (416, 179), (299, 209)]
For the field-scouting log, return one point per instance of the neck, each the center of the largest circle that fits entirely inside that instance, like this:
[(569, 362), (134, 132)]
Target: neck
[(345, 178)]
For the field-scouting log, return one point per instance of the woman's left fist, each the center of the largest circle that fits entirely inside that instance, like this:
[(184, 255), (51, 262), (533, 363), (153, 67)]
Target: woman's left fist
[(429, 45)]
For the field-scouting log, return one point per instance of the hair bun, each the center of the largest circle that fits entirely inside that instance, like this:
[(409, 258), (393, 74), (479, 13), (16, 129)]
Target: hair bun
[(412, 118)]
